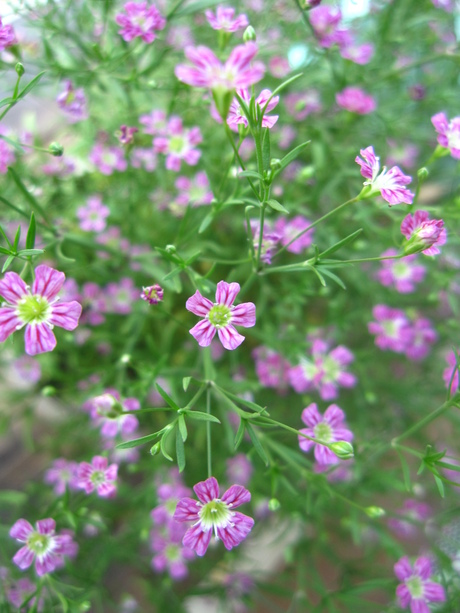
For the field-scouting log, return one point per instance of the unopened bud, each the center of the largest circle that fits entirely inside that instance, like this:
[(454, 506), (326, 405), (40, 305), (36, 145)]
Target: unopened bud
[(275, 164), (155, 450), (125, 358), (422, 174), (274, 504), (49, 390), (342, 450), (56, 149), (170, 249), (249, 34), (374, 512), (152, 294), (19, 68)]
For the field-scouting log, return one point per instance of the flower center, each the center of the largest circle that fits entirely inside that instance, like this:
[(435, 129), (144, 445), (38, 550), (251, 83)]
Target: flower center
[(415, 587), (172, 553), (215, 514), (98, 478), (220, 315), (323, 432), (33, 309), (176, 144), (38, 543), (331, 369), (401, 270)]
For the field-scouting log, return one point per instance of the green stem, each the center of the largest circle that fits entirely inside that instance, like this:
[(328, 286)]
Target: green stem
[(311, 263), (237, 155), (208, 432), (269, 420)]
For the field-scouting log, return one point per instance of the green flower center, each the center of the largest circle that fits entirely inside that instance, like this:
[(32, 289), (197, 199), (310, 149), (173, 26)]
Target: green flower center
[(415, 587), (323, 432), (215, 514), (172, 553), (176, 144), (33, 309), (98, 478), (220, 315), (38, 543), (331, 369), (401, 270)]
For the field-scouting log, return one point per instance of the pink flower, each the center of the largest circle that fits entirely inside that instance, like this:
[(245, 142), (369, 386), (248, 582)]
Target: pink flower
[(239, 469), (98, 476), (356, 100), (169, 555), (207, 71), (178, 144), (107, 412), (271, 369), (423, 234), (155, 123), (152, 294), (401, 274), (452, 369), (422, 337), (221, 315), (7, 157), (108, 159), (37, 309), (41, 544), (412, 513), (62, 474), (214, 514), (126, 136), (236, 115), (121, 296), (448, 133), (359, 54), (391, 184), (327, 428), (325, 23), (302, 104), (225, 19), (392, 328), (195, 191), (168, 495), (270, 240), (7, 36), (73, 103), (416, 589), (290, 228), (445, 5), (92, 216), (140, 20)]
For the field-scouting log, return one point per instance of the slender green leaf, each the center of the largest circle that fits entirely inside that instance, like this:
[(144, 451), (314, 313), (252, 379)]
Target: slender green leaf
[(206, 222), (247, 403), (440, 486), (240, 433), (27, 252), (405, 470), (257, 444), (277, 206), (30, 239), (5, 251), (14, 207), (163, 446), (180, 450), (29, 87), (334, 277), (7, 263), (345, 241), (291, 156), (201, 416), (173, 273), (182, 427), (318, 274), (2, 232), (139, 441), (167, 398), (35, 205), (186, 383), (266, 149), (252, 174), (17, 238)]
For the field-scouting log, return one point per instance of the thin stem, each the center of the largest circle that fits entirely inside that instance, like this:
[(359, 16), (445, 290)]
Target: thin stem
[(208, 432), (237, 155)]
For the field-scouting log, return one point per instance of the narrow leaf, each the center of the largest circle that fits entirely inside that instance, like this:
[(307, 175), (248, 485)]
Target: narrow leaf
[(345, 241), (7, 263), (200, 416), (186, 383), (31, 252), (30, 85), (205, 223), (277, 206), (440, 485), (334, 277), (139, 441), (30, 239), (163, 446), (173, 273), (291, 156), (180, 450), (5, 251), (167, 398), (240, 433), (182, 427), (17, 239), (405, 470), (252, 174), (2, 232), (266, 149), (29, 197), (15, 208), (257, 444)]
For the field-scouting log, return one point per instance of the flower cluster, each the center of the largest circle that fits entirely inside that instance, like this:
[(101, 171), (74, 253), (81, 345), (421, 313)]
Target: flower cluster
[(178, 144)]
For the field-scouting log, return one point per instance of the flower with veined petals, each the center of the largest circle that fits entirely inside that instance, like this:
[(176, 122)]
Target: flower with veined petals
[(214, 514), (225, 19), (327, 428), (423, 234), (416, 589), (221, 315), (98, 476), (236, 115), (448, 133), (391, 184), (41, 544), (7, 36), (36, 308), (140, 19)]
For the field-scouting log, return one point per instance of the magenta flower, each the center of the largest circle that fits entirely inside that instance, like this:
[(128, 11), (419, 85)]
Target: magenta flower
[(155, 123), (225, 19), (325, 22), (214, 514), (290, 228), (207, 71), (178, 144), (270, 240), (170, 555), (356, 100), (448, 133), (153, 294), (7, 157), (236, 115), (141, 20), (402, 274), (107, 159), (73, 102), (168, 495), (62, 474), (37, 309), (239, 469), (98, 476), (41, 544), (121, 296), (271, 369), (391, 184), (423, 234), (451, 369), (221, 315), (126, 136), (7, 36), (423, 335), (416, 589), (359, 54), (107, 412), (327, 428), (392, 328), (195, 191), (413, 512), (92, 216), (301, 104)]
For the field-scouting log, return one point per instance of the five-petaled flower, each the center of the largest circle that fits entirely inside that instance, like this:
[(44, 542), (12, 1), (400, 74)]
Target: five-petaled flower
[(214, 514), (416, 588), (140, 19), (36, 308), (423, 234), (221, 316), (98, 476), (390, 183), (448, 133), (41, 544)]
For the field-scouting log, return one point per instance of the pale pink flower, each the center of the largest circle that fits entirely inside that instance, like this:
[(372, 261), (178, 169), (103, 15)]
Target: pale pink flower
[(143, 157), (327, 428), (413, 512), (239, 469), (7, 36), (36, 308), (153, 294), (27, 370), (402, 274), (356, 100), (168, 494), (107, 413), (98, 476), (107, 159), (42, 545), (73, 102), (271, 369), (325, 22), (391, 184), (279, 67), (392, 328), (221, 316), (121, 296), (62, 473), (92, 216), (126, 135), (195, 191), (22, 590), (417, 590), (359, 54), (445, 5), (207, 71), (140, 19), (169, 554), (448, 133), (224, 19), (155, 123), (302, 104), (423, 234), (179, 144), (7, 157), (214, 514), (404, 154), (288, 229), (180, 36), (270, 240)]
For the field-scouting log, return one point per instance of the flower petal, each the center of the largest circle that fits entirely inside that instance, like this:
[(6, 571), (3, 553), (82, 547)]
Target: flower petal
[(403, 569), (304, 443), (9, 323), (433, 592), (197, 540), (21, 530), (198, 304), (46, 563), (46, 526), (207, 490), (334, 416), (233, 533), (187, 509), (311, 416), (12, 288), (244, 315), (422, 567), (236, 495), (230, 338), (24, 558), (65, 315), (227, 292), (48, 282), (39, 339), (203, 332)]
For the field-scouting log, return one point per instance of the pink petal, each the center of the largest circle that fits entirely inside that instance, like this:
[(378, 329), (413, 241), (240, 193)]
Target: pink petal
[(440, 123), (237, 531), (203, 332), (12, 288), (111, 473), (244, 315), (39, 339), (21, 530), (187, 509), (419, 606), (422, 567), (9, 323), (99, 462), (65, 315), (311, 416), (236, 495), (45, 564), (207, 490), (197, 540), (434, 592), (323, 455), (304, 443), (227, 292), (229, 337), (24, 558), (48, 282), (403, 594), (106, 490), (334, 416), (198, 304), (403, 569), (46, 526)]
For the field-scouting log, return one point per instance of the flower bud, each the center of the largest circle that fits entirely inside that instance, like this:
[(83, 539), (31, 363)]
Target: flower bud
[(155, 450), (249, 34), (374, 512), (342, 450), (19, 68), (422, 174), (424, 237), (49, 390), (274, 504), (275, 164), (56, 149), (153, 294), (222, 99)]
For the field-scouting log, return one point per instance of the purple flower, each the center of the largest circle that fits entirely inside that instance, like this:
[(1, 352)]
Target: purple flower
[(98, 476), (27, 370), (401, 274), (195, 191), (270, 240), (327, 428), (412, 513), (452, 369), (107, 159), (20, 591), (7, 157), (143, 157), (356, 100), (140, 20), (225, 19), (325, 371), (448, 133), (214, 514), (37, 309), (325, 23), (239, 469), (359, 54), (62, 474), (179, 144), (423, 234), (41, 544), (207, 71), (391, 184), (445, 5), (153, 294), (92, 216), (169, 555), (155, 123), (73, 103), (126, 136), (7, 36), (121, 296), (221, 315), (416, 589), (422, 337), (236, 115), (107, 411), (271, 369), (290, 228), (301, 104), (168, 495), (392, 328)]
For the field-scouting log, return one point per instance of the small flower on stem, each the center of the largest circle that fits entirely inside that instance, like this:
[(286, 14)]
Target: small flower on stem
[(140, 20), (416, 589), (391, 184), (224, 19), (423, 234), (7, 36), (402, 274), (98, 476), (356, 100), (73, 102), (153, 294), (93, 216), (448, 133), (126, 135), (214, 514)]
